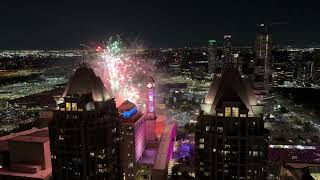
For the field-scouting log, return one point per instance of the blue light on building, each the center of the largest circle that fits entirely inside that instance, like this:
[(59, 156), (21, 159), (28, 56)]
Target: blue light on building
[(130, 113)]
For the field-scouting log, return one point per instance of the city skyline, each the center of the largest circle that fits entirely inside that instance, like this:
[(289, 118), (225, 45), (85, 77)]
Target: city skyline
[(32, 25), (159, 90)]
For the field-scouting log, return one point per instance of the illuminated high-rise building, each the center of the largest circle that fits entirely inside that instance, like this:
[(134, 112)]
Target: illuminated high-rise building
[(213, 64), (230, 142), (262, 70), (227, 49), (85, 131), (133, 141), (147, 140), (150, 112)]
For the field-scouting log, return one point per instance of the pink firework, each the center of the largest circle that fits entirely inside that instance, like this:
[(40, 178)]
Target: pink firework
[(123, 75)]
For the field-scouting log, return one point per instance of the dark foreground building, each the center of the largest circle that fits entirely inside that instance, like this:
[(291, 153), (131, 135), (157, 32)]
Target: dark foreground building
[(25, 155), (230, 142), (84, 133)]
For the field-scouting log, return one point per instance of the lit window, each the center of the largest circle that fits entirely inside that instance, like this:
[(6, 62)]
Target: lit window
[(74, 107), (243, 115), (130, 165), (68, 106), (207, 128), (201, 146), (227, 111), (80, 109), (220, 130), (201, 140), (235, 112), (61, 138), (62, 109), (220, 114)]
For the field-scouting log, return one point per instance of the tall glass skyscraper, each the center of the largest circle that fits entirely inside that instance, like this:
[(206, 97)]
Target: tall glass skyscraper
[(262, 70), (213, 64)]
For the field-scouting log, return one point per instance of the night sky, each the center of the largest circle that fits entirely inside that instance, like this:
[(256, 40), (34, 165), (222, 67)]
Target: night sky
[(58, 24)]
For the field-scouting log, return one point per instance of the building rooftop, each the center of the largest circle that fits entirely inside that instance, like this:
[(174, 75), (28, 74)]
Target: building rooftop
[(129, 112), (295, 155), (149, 156), (160, 124), (30, 139), (42, 174), (229, 87), (84, 82), (133, 119), (15, 169), (42, 133), (4, 139), (126, 106), (165, 147)]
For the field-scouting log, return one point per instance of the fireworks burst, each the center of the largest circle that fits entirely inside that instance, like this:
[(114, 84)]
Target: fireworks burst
[(122, 74)]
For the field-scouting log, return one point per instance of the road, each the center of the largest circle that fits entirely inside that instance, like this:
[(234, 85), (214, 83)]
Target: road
[(304, 114)]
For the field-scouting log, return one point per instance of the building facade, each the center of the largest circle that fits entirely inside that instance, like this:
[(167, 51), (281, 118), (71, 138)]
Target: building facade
[(213, 64), (85, 131), (147, 140), (230, 142), (133, 144), (262, 68), (150, 112), (227, 50)]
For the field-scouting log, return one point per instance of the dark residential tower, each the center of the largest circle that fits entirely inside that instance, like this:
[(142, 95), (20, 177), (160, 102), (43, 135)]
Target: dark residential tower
[(227, 50), (84, 133), (230, 142), (213, 64)]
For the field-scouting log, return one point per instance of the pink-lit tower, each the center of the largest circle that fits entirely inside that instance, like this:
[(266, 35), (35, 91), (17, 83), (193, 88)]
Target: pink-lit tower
[(150, 112)]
